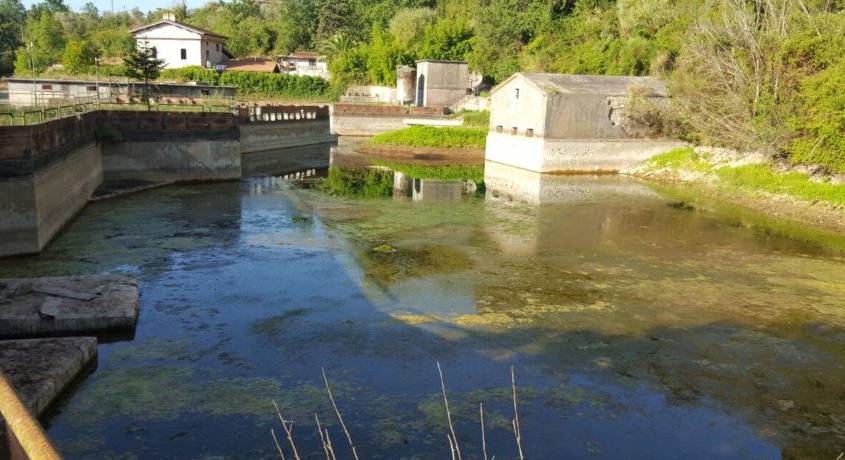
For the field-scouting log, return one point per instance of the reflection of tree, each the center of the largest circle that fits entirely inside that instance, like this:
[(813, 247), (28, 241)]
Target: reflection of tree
[(391, 265), (359, 182)]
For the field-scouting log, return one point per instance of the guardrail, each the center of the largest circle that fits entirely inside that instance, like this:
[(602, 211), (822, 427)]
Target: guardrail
[(26, 438), (26, 116)]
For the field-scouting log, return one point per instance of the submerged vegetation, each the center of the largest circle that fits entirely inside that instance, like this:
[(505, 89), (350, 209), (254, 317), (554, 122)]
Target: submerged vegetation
[(429, 136), (474, 173)]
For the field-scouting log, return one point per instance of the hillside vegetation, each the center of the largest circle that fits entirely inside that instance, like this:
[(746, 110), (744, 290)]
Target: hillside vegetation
[(765, 75)]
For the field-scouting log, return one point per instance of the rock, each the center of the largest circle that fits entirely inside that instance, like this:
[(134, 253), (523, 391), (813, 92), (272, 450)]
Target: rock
[(51, 307)]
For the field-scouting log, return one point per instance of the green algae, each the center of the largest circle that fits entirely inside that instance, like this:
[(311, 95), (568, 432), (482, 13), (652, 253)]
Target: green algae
[(273, 326), (403, 263), (156, 349)]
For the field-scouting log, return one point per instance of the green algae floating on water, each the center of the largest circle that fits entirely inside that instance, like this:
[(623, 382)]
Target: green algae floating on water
[(399, 264)]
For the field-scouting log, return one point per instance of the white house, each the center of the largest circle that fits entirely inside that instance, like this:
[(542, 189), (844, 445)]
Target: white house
[(181, 45), (576, 123), (304, 63)]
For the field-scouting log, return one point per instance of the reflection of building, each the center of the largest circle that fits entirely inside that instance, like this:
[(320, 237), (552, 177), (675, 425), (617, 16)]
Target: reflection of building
[(553, 122), (430, 189), (304, 63), (181, 45)]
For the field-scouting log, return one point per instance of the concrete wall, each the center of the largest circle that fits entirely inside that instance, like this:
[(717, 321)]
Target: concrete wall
[(572, 155), (444, 82), (518, 105), (47, 173), (256, 137), (581, 116), (370, 94), (173, 161), (25, 92), (370, 119)]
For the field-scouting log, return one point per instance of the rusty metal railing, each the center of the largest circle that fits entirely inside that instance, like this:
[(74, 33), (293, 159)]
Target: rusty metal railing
[(27, 439)]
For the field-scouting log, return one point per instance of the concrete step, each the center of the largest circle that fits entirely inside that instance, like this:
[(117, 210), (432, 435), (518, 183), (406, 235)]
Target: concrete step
[(73, 305)]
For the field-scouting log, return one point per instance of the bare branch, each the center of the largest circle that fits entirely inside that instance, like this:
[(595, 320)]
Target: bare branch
[(448, 413), (288, 427), (322, 437), (339, 417), (516, 428), (483, 435), (278, 446)]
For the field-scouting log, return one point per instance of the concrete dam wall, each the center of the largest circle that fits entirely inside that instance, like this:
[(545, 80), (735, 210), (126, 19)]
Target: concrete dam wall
[(49, 171)]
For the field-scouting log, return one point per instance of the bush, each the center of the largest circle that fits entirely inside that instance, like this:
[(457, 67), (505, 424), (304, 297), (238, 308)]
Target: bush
[(192, 73), (276, 85), (429, 136), (820, 120), (358, 183)]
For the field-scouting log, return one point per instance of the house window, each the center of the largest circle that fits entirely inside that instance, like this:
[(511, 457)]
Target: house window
[(204, 92), (517, 93), (514, 130), (499, 128), (312, 62), (184, 53), (155, 52), (218, 47), (92, 88), (46, 87)]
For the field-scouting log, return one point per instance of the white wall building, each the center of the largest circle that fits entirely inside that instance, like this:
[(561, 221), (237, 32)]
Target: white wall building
[(573, 123), (181, 45), (304, 63)]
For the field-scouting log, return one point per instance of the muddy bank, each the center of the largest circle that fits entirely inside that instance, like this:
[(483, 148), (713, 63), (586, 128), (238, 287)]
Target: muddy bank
[(431, 155)]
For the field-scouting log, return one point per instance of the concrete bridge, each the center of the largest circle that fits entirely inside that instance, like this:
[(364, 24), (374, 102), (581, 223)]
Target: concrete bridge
[(48, 171)]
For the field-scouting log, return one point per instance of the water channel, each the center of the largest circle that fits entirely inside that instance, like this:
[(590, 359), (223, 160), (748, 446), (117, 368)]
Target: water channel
[(639, 324)]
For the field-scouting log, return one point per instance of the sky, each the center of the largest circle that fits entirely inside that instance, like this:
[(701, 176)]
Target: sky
[(119, 5)]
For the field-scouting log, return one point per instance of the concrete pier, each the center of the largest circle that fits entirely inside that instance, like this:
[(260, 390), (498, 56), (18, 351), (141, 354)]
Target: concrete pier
[(41, 369), (39, 307)]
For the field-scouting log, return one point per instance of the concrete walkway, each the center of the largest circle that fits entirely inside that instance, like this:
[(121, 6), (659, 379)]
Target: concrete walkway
[(39, 307)]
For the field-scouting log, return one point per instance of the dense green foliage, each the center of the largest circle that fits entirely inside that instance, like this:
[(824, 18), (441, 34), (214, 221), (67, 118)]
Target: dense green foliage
[(276, 85), (799, 185), (358, 182), (474, 173), (429, 136)]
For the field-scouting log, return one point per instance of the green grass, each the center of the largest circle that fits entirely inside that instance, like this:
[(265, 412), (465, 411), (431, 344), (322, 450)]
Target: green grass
[(446, 172), (474, 119), (761, 177), (685, 158), (429, 136), (358, 183)]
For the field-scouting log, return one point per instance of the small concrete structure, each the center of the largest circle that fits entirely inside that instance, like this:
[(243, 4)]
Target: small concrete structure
[(441, 83), (554, 122), (33, 307), (181, 45), (41, 369), (406, 80)]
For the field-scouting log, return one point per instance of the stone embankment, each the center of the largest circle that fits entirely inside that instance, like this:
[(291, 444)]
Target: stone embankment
[(373, 119)]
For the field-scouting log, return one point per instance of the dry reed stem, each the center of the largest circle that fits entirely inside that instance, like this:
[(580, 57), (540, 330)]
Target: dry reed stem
[(278, 446), (448, 413), (322, 437), (483, 435), (516, 428), (339, 417), (288, 430), (329, 444)]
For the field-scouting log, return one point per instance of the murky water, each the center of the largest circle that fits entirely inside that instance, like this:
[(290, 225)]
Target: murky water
[(639, 326)]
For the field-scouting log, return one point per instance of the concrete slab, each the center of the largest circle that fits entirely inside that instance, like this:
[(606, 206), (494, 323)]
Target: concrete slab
[(41, 369), (39, 307)]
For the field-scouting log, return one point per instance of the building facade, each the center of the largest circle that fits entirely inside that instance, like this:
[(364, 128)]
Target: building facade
[(555, 122), (441, 83), (181, 45), (304, 63)]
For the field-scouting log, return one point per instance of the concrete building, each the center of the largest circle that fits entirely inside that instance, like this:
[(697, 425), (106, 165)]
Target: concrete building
[(304, 63), (181, 45), (441, 83), (553, 122), (30, 92)]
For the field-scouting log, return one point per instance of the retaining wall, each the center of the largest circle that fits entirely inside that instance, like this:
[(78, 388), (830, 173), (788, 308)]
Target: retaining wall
[(572, 155), (371, 119)]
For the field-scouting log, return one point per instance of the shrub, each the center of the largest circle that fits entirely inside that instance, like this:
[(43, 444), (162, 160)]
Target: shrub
[(820, 120), (192, 73), (429, 136), (276, 85)]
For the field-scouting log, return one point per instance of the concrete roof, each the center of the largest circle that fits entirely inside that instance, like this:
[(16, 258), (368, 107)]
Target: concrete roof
[(555, 83), (193, 29), (441, 61)]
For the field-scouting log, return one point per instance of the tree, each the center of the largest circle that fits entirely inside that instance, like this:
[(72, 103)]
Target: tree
[(408, 25), (12, 14), (448, 39), (44, 43), (79, 56), (142, 64)]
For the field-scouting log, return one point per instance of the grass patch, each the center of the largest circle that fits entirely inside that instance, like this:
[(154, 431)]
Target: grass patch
[(474, 173), (761, 177), (429, 136), (684, 158), (474, 118)]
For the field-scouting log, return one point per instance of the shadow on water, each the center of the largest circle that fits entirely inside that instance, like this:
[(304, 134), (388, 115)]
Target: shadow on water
[(637, 329)]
